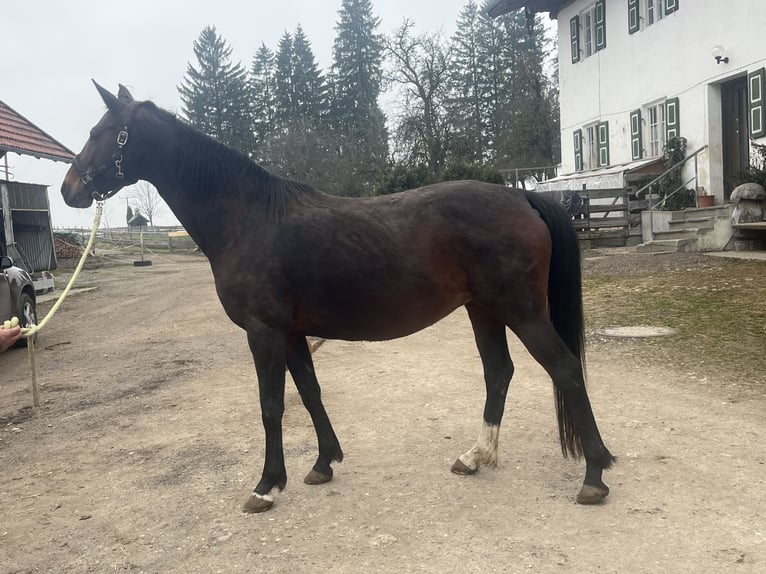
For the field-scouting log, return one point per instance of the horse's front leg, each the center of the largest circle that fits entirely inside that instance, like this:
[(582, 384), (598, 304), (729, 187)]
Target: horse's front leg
[(269, 348)]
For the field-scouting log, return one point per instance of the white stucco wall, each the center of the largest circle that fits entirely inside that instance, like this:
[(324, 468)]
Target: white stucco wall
[(671, 58)]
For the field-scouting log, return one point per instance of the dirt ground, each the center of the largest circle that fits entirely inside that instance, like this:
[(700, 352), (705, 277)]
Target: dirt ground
[(149, 440)]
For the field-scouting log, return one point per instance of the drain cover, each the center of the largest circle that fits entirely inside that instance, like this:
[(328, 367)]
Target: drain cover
[(636, 331)]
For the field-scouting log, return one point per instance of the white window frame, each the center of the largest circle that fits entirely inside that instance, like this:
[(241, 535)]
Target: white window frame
[(654, 11), (590, 146), (650, 12), (653, 116), (588, 35)]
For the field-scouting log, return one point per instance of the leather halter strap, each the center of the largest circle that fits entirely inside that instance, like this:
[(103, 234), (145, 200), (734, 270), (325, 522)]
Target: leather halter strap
[(89, 176)]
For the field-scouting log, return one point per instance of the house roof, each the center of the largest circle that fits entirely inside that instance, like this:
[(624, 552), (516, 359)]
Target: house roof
[(19, 135), (500, 7)]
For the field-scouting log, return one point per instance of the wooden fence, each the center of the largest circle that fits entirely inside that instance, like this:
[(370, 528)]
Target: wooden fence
[(168, 240), (605, 217)]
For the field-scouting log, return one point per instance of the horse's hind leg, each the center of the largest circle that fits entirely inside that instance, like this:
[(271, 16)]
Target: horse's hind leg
[(301, 368), (577, 425), (498, 371)]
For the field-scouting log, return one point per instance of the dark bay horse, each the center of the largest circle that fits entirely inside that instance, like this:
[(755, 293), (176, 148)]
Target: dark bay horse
[(290, 261)]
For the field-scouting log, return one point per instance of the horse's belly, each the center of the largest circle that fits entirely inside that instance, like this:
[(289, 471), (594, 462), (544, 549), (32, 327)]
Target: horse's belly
[(380, 321)]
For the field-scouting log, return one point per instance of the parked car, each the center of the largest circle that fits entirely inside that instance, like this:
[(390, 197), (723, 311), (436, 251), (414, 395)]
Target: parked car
[(17, 295)]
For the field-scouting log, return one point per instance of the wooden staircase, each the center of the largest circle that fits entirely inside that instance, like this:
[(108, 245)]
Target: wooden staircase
[(686, 230)]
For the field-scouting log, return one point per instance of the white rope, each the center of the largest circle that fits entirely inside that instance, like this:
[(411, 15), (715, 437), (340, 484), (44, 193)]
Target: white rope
[(30, 332)]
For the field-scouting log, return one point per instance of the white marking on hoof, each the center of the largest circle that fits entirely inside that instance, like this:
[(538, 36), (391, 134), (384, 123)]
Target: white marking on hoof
[(269, 496), (484, 452)]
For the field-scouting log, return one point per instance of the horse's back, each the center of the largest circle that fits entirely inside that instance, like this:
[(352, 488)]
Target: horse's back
[(383, 267)]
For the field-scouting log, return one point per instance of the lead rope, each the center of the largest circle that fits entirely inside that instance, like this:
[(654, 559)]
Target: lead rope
[(30, 332)]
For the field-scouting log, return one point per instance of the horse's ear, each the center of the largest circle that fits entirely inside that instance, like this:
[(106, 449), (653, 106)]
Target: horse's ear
[(109, 98), (124, 95)]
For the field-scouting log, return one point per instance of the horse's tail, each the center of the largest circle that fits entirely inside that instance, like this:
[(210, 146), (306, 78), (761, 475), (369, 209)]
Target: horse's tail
[(564, 303)]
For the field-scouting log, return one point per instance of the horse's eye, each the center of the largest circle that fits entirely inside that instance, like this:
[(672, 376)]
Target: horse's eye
[(94, 133)]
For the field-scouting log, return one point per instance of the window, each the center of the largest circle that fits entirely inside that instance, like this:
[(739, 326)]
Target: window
[(655, 10), (590, 146), (587, 31), (653, 125), (578, 150), (643, 13), (655, 129)]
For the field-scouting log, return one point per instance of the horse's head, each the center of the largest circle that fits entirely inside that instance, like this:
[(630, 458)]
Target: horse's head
[(97, 171)]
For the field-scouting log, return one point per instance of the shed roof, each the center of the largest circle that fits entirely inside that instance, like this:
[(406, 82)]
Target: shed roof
[(500, 7), (19, 135)]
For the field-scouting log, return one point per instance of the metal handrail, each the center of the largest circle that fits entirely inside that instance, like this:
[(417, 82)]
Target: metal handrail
[(668, 196), (667, 171), (665, 174)]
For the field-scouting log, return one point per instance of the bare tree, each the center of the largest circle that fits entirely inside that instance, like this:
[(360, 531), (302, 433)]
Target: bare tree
[(148, 201), (421, 66)]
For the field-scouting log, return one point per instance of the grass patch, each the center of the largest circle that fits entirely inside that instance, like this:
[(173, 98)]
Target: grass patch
[(719, 314)]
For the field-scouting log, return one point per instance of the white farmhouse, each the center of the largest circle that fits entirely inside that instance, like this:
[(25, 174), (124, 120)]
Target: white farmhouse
[(634, 73)]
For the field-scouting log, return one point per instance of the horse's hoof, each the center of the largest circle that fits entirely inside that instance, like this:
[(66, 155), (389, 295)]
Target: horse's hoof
[(592, 494), (316, 477), (257, 503), (460, 468)]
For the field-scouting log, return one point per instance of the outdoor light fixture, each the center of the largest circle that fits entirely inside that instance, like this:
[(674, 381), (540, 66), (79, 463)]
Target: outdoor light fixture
[(718, 54)]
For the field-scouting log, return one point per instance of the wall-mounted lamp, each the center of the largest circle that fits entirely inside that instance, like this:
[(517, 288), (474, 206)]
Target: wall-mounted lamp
[(718, 54)]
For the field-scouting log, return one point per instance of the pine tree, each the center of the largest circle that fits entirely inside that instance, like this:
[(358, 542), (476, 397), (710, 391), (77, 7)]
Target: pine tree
[(308, 83), (357, 122), (525, 118), (214, 93), (298, 144), (262, 100), (283, 82), (468, 85)]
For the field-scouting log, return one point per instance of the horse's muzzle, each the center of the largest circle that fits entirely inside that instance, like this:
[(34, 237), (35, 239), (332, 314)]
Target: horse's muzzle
[(74, 192)]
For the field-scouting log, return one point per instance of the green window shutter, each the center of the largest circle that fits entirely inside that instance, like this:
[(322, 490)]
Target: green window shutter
[(756, 102), (602, 129), (600, 25), (671, 6), (636, 141), (672, 120), (634, 16), (578, 150), (574, 35)]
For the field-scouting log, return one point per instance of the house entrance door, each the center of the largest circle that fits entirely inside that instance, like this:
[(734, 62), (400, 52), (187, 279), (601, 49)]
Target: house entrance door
[(736, 142)]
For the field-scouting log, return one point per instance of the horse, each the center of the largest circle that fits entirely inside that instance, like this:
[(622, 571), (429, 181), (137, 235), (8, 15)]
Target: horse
[(290, 261)]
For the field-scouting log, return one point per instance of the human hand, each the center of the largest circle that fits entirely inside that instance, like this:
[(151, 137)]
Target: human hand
[(10, 332)]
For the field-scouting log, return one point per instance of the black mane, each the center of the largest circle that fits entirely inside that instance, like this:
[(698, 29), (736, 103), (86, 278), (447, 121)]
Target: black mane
[(206, 167)]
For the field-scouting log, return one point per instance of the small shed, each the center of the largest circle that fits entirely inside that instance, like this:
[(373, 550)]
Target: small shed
[(25, 233), (138, 220)]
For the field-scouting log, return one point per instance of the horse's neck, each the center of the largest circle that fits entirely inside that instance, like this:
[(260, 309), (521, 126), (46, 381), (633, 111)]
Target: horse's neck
[(204, 196)]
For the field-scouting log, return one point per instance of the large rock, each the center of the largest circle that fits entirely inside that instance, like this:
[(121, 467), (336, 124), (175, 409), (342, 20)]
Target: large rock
[(751, 200), (751, 191)]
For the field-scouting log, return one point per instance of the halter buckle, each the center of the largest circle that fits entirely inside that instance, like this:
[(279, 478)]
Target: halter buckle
[(118, 166), (122, 137)]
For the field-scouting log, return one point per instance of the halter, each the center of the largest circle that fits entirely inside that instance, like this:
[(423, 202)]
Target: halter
[(88, 176)]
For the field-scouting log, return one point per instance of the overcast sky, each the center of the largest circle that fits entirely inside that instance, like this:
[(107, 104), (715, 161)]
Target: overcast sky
[(52, 49)]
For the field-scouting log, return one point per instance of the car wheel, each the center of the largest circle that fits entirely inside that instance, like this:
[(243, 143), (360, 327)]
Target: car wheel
[(27, 315)]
